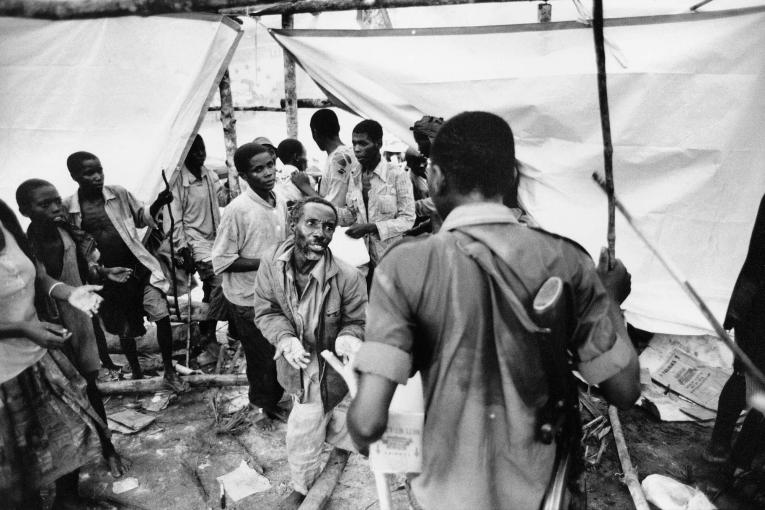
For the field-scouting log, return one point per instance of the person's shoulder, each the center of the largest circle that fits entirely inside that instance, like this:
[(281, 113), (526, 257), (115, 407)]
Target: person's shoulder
[(270, 255), (407, 250), (563, 241)]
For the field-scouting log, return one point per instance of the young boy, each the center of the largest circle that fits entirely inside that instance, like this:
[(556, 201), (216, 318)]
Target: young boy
[(251, 224), (198, 195), (112, 215), (69, 255), (294, 159)]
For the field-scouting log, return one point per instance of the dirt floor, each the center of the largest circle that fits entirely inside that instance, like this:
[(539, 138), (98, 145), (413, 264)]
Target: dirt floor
[(177, 459)]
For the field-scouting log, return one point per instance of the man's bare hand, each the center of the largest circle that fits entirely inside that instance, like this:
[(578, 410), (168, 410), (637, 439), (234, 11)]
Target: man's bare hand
[(347, 345), (617, 281), (45, 334), (117, 274), (85, 298), (347, 371), (359, 230), (293, 351)]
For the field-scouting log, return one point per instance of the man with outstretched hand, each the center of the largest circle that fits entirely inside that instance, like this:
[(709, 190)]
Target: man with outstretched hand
[(307, 301)]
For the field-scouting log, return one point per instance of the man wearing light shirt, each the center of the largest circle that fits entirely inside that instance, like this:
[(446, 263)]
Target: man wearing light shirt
[(380, 199), (251, 224), (198, 195)]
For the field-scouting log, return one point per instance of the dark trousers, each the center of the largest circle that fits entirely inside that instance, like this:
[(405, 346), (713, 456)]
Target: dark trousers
[(265, 390)]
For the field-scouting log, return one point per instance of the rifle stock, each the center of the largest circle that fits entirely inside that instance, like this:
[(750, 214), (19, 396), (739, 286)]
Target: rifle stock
[(558, 420)]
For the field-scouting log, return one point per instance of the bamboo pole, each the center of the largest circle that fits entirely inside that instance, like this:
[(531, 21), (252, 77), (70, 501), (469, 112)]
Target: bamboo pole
[(630, 475), (158, 383), (290, 85), (229, 132), (605, 124)]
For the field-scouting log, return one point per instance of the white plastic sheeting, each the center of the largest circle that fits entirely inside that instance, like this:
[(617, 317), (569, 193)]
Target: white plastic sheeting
[(687, 100), (129, 90)]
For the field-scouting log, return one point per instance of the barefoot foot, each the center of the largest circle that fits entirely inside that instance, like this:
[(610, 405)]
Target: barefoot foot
[(118, 466)]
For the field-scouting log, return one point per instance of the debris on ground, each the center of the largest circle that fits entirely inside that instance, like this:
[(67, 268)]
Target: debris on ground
[(243, 481), (128, 484)]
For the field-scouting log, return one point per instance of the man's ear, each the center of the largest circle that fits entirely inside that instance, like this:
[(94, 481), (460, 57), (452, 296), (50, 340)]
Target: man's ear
[(293, 225), (24, 210), (73, 177), (437, 180)]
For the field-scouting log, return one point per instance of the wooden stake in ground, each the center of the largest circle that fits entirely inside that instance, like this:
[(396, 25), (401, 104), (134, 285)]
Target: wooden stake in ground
[(229, 132), (158, 384), (290, 85), (630, 476), (318, 497), (605, 124)]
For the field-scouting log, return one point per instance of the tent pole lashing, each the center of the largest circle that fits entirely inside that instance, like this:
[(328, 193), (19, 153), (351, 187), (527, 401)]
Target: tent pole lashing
[(229, 132), (605, 125), (290, 84)]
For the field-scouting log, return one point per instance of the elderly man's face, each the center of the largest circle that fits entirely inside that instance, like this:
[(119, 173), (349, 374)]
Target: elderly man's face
[(314, 230)]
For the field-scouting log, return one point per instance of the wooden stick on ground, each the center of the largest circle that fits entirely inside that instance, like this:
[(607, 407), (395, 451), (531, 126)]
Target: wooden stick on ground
[(158, 384), (318, 497), (630, 475)]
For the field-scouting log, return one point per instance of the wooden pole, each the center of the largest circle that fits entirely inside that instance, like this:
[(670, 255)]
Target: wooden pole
[(318, 497), (229, 132), (78, 9), (314, 6), (158, 384), (630, 476), (290, 85), (605, 124)]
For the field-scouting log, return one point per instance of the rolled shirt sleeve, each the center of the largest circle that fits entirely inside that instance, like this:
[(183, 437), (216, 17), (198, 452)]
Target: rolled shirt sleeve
[(404, 219), (226, 247), (387, 351), (599, 352)]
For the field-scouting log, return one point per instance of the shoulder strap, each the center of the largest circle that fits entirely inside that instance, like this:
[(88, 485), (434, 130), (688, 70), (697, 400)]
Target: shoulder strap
[(479, 252)]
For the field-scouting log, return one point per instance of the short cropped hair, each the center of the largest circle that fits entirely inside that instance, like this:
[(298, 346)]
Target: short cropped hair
[(371, 128), (245, 153), (25, 190), (325, 123), (297, 210), (476, 152), (287, 150), (74, 161)]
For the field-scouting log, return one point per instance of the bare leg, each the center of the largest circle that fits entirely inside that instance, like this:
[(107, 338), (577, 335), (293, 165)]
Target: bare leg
[(131, 353), (165, 340)]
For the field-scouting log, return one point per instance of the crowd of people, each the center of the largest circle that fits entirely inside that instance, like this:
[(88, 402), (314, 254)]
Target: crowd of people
[(453, 306)]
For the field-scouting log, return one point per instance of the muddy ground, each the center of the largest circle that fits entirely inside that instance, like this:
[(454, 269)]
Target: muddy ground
[(177, 458)]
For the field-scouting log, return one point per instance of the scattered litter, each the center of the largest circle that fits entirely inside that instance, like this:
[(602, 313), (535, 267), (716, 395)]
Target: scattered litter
[(243, 481), (158, 402), (128, 484), (205, 465), (129, 422), (184, 370), (669, 494), (205, 359)]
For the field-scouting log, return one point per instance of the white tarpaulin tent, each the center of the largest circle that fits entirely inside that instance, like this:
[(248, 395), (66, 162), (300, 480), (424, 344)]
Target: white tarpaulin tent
[(687, 100), (130, 90)]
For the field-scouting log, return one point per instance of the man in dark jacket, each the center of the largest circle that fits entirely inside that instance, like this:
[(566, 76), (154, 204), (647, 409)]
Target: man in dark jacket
[(745, 315), (307, 301)]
